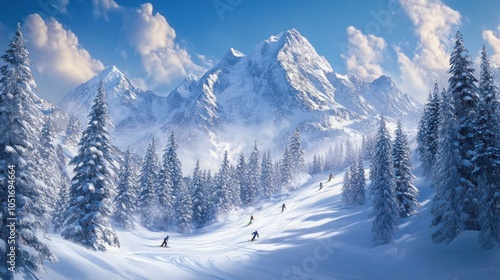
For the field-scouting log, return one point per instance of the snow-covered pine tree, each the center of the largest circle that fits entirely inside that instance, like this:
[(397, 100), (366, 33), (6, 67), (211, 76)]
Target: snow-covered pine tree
[(222, 192), (47, 149), (210, 189), (464, 91), (148, 180), (446, 180), (173, 163), (406, 192), (316, 165), (58, 218), (296, 153), (427, 132), (73, 130), (350, 153), (126, 198), (253, 173), (329, 159), (267, 176), (89, 205), (358, 189), (50, 163), (164, 186), (285, 169), (235, 187), (347, 188), (183, 208), (383, 189), (200, 198), (247, 194), (486, 159), (18, 140), (422, 144)]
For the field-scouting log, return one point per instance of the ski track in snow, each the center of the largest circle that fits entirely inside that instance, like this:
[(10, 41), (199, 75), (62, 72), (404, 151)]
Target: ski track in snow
[(315, 234)]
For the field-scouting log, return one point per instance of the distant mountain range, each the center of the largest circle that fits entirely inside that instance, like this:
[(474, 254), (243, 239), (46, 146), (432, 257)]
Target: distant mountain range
[(282, 84)]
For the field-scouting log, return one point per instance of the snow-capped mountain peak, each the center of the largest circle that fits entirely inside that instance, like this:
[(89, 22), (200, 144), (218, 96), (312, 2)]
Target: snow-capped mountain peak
[(128, 105)]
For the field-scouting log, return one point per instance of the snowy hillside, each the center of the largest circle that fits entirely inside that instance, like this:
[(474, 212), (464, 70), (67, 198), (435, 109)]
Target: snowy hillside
[(316, 237)]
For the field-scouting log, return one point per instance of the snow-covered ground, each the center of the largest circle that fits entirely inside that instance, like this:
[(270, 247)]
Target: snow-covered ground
[(316, 237)]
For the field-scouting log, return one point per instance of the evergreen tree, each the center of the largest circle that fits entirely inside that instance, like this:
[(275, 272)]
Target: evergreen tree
[(51, 165), (89, 205), (285, 169), (329, 159), (164, 187), (359, 191), (222, 192), (210, 188), (350, 153), (247, 193), (347, 188), (200, 198), (235, 187), (18, 138), (173, 163), (184, 208), (58, 218), (147, 202), (267, 176), (253, 173), (406, 192), (73, 130), (296, 153), (383, 189), (427, 136), (316, 166), (463, 89), (446, 179), (486, 159), (47, 149), (125, 207)]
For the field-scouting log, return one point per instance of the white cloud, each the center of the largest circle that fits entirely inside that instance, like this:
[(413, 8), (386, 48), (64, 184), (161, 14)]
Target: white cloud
[(154, 40), (493, 39), (364, 54), (56, 52), (102, 7), (434, 24), (413, 75)]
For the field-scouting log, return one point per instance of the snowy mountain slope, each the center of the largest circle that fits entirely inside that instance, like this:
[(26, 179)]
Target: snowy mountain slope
[(282, 83), (129, 107), (316, 237)]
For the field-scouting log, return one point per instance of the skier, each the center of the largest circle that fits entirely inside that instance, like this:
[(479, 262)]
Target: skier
[(255, 233), (165, 240), (320, 185), (330, 177), (283, 207), (251, 220)]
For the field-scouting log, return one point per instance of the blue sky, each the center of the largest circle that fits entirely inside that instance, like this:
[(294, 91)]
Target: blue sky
[(157, 43)]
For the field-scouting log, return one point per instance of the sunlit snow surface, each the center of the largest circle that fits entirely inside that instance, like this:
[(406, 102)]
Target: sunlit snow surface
[(316, 237)]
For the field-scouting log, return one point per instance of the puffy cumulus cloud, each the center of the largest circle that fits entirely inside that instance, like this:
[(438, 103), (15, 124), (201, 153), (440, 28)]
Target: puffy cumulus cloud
[(364, 54), (154, 40), (57, 53), (493, 39), (434, 24), (102, 7), (413, 78)]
